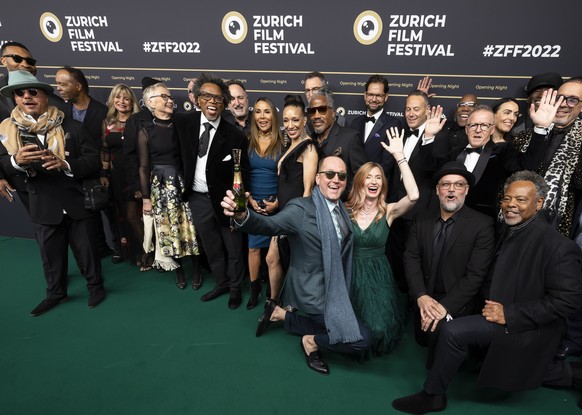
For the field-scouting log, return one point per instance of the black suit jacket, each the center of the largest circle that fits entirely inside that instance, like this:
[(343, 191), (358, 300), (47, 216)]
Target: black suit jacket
[(465, 259), (346, 144), (96, 113), (52, 192), (220, 164), (374, 149)]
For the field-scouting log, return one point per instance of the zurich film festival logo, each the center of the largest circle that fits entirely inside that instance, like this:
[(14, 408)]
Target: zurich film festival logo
[(234, 27), (368, 27), (51, 27)]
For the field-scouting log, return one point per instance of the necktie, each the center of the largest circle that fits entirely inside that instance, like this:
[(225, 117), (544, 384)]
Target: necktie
[(370, 119), (470, 150), (204, 140), (341, 227), (437, 250)]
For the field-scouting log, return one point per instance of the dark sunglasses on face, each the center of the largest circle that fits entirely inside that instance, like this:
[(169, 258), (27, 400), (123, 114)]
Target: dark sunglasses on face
[(342, 176), (31, 91), (19, 59), (321, 110)]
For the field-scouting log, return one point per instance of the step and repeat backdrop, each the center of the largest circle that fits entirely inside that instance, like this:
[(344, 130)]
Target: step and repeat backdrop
[(489, 49)]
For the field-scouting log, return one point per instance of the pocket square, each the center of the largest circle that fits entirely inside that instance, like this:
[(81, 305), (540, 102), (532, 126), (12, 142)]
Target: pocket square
[(227, 158), (337, 152)]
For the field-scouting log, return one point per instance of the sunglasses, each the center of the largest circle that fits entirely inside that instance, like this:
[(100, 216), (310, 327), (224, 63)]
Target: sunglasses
[(342, 176), (321, 110), (19, 59), (31, 91)]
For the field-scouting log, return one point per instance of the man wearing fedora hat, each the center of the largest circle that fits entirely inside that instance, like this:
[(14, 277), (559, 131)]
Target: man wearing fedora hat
[(53, 154), (447, 256)]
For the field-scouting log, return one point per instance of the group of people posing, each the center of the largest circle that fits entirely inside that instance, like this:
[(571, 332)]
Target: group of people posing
[(472, 219)]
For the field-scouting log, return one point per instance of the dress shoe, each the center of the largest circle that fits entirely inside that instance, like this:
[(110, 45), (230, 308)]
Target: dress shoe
[(265, 319), (235, 300), (180, 278), (420, 403), (314, 360), (116, 258), (48, 304), (96, 297), (214, 294), (565, 351)]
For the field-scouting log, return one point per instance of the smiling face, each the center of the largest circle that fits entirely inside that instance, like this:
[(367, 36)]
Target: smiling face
[(415, 111), (331, 189), (263, 116), (312, 85), (213, 107), (520, 202), (452, 198), (506, 116), (123, 102), (294, 121), (322, 119), (373, 184), (375, 97), (162, 108), (464, 108), (566, 115), (10, 61), (32, 105), (239, 104)]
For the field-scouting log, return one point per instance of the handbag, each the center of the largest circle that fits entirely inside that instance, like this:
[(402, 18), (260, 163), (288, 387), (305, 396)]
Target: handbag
[(96, 195)]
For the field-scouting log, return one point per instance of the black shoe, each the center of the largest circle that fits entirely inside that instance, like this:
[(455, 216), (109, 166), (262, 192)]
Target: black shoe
[(197, 280), (235, 300), (314, 360), (565, 351), (420, 403), (214, 294), (48, 304), (105, 252), (116, 258), (180, 278), (256, 289), (96, 297), (265, 319)]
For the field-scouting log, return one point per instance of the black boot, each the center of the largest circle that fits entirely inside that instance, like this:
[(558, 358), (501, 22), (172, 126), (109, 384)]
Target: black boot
[(196, 274), (255, 294), (180, 278)]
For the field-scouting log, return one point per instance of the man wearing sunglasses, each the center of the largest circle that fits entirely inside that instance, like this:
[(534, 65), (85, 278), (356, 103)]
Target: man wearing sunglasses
[(334, 140), (54, 154), (318, 281)]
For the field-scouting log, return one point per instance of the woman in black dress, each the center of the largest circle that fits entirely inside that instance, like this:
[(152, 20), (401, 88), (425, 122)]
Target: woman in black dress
[(124, 215)]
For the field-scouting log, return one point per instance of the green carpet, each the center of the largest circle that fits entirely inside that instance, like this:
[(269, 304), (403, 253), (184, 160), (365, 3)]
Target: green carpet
[(153, 349)]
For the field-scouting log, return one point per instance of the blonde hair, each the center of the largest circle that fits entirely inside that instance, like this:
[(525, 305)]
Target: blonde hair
[(357, 194), (111, 111)]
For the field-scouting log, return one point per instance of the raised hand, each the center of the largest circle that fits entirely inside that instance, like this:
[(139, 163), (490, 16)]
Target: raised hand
[(395, 140), (434, 122), (544, 116), (424, 85)]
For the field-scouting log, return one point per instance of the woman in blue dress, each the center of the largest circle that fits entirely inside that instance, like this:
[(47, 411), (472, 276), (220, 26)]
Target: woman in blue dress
[(373, 292), (265, 147)]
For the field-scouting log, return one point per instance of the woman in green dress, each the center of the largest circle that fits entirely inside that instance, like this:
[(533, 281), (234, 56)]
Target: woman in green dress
[(373, 292)]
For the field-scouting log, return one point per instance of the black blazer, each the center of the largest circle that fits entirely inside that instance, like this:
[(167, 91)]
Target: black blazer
[(220, 165), (96, 113), (374, 149), (50, 193), (465, 258)]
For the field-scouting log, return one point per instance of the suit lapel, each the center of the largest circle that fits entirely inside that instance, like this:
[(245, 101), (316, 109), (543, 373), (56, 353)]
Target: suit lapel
[(483, 160), (458, 228), (217, 142)]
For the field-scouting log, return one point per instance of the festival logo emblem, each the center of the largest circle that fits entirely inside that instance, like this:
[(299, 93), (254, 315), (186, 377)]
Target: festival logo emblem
[(234, 27), (51, 27), (368, 27)]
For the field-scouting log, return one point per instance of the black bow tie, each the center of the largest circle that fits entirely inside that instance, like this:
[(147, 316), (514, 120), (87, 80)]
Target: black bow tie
[(370, 119), (470, 150), (412, 131)]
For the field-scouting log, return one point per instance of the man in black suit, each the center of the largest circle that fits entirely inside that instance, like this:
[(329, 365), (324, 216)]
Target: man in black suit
[(332, 139), (53, 162), (372, 126), (535, 282), (447, 255), (206, 142)]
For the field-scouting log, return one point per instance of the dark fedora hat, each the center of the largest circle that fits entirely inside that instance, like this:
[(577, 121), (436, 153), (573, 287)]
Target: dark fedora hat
[(23, 79), (454, 167), (547, 80)]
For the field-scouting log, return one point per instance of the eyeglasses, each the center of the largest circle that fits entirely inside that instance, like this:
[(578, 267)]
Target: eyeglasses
[(322, 110), (482, 126), (466, 104), (570, 101), (456, 185), (31, 91), (341, 175), (19, 59), (379, 97), (207, 96), (165, 97), (312, 90)]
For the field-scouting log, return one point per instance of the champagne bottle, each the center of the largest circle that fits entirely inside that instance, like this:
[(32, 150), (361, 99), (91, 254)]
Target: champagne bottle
[(237, 184)]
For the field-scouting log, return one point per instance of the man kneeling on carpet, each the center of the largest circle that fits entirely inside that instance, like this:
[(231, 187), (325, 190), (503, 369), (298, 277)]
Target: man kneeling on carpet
[(318, 280), (535, 282)]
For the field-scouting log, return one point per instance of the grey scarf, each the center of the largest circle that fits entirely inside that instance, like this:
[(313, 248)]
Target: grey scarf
[(339, 316)]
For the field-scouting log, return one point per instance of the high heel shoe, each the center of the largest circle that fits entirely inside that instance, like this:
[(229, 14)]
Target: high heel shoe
[(255, 294), (265, 319), (180, 278)]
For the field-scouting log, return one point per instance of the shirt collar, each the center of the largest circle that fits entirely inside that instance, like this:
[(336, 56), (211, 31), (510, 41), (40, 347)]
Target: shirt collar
[(214, 123)]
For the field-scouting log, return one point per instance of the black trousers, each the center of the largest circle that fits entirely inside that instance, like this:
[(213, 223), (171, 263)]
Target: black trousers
[(223, 247), (315, 324), (457, 336), (54, 241)]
